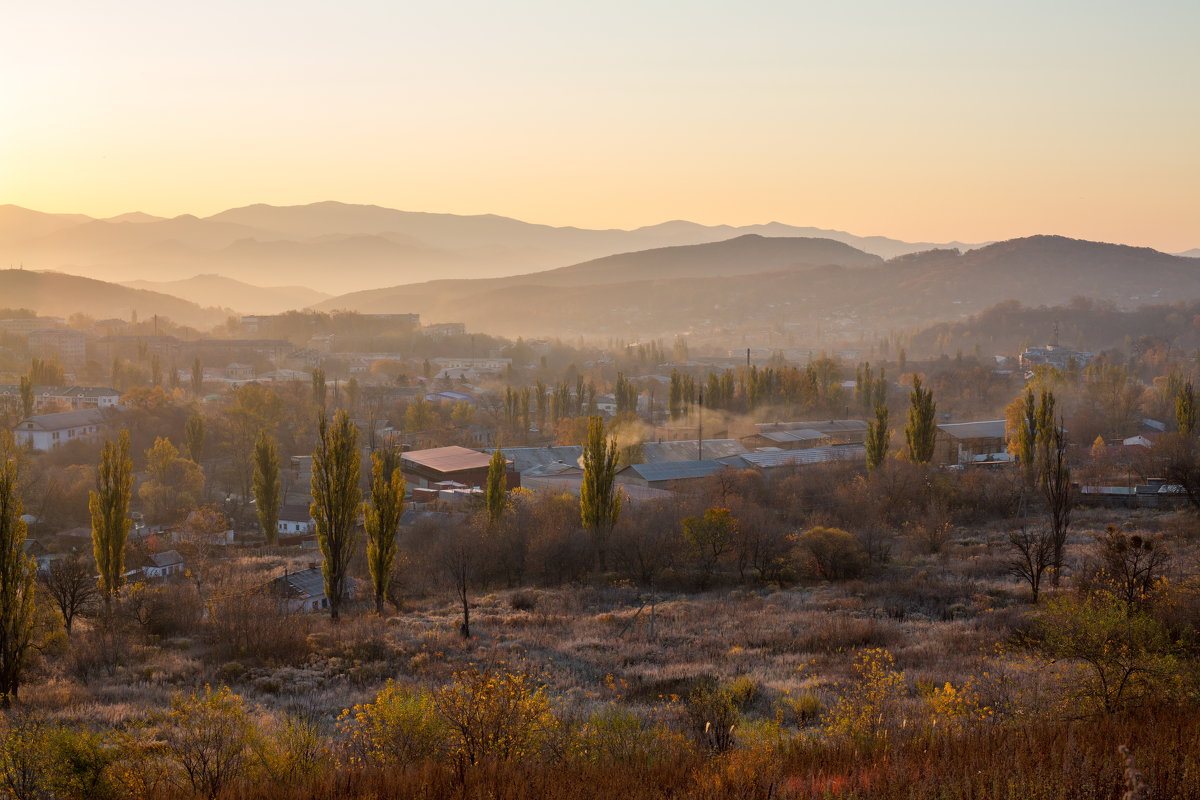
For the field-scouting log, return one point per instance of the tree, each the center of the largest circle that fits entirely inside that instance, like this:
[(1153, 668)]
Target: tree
[(1033, 554), (318, 388), (1023, 438), (193, 437), (336, 501), (266, 485), (197, 377), (71, 585), (496, 491), (1186, 412), (27, 398), (109, 506), (878, 438), (17, 573), (599, 499), (1129, 564), (496, 716), (382, 517), (920, 434), (832, 553), (710, 538), (1058, 493), (173, 484)]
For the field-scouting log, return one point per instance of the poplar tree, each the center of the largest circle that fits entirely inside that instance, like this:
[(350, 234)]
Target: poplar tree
[(17, 574), (27, 398), (382, 519), (318, 388), (920, 433), (496, 491), (193, 435), (878, 438), (197, 377), (599, 500), (336, 502), (109, 506), (266, 485), (1026, 439), (1186, 413)]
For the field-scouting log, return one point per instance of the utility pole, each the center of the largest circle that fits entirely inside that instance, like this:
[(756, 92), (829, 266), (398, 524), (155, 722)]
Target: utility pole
[(747, 358), (700, 425)]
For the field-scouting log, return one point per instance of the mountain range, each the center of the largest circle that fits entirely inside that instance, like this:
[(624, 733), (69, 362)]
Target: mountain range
[(338, 247)]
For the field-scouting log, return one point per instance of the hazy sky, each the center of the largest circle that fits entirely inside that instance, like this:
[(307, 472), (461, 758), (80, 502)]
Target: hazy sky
[(920, 120)]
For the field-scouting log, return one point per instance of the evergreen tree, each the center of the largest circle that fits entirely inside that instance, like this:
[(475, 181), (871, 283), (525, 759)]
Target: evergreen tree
[(878, 438), (382, 519), (336, 501), (599, 499), (920, 433), (266, 485), (197, 376), (193, 436), (17, 574), (496, 491), (109, 506), (1186, 413)]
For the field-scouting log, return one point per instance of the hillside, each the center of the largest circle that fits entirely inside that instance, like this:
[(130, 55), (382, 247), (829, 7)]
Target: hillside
[(339, 247), (736, 285), (59, 295), (215, 290)]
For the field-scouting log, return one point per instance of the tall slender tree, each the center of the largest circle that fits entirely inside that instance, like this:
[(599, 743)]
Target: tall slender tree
[(336, 502), (496, 491), (27, 398), (382, 517), (1058, 493), (1186, 413), (193, 436), (318, 388), (920, 433), (1025, 439), (599, 499), (266, 485), (878, 438), (197, 376), (17, 574), (109, 506)]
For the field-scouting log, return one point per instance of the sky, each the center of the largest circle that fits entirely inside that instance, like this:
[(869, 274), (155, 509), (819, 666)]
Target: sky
[(920, 120)]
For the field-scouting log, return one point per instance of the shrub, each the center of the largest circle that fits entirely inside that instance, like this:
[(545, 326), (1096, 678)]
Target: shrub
[(832, 553), (498, 715), (615, 735), (712, 715), (399, 727), (208, 736), (862, 711)]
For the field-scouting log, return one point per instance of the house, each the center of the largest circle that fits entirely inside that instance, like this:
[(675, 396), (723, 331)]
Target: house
[(668, 475), (305, 590), (424, 468), (1054, 356), (971, 442), (295, 519), (37, 551), (239, 372), (44, 432), (163, 565)]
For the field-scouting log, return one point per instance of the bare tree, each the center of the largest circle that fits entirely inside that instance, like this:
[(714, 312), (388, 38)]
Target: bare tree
[(71, 584), (1033, 554)]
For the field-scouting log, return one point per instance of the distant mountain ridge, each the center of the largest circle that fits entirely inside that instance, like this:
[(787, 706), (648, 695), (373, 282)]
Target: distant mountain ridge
[(657, 292), (219, 291), (338, 247), (59, 295)]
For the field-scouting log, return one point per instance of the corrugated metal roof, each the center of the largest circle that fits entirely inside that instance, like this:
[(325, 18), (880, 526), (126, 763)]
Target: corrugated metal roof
[(64, 420), (664, 452), (824, 426), (813, 455), (803, 435), (676, 470), (983, 429), (527, 458), (166, 558), (448, 459)]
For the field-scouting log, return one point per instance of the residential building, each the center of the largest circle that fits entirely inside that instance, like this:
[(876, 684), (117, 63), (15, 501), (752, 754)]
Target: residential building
[(304, 590), (44, 432), (163, 565), (72, 397), (295, 519), (1054, 356), (67, 347)]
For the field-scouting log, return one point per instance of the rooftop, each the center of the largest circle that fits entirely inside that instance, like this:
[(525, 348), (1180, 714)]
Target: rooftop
[(447, 459), (676, 470), (984, 429), (63, 420)]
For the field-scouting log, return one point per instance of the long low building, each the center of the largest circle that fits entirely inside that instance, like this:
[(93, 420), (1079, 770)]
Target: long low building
[(73, 397), (424, 468), (44, 432), (971, 442)]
